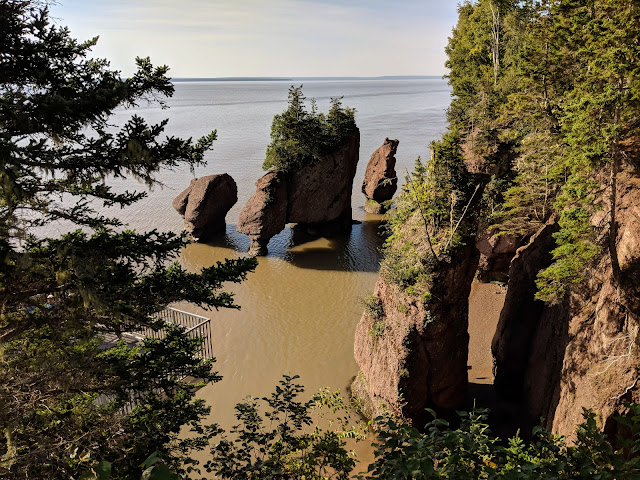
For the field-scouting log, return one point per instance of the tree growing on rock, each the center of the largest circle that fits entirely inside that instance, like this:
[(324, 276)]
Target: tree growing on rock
[(299, 137)]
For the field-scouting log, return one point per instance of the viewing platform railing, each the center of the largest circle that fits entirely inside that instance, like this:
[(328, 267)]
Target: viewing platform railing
[(196, 326)]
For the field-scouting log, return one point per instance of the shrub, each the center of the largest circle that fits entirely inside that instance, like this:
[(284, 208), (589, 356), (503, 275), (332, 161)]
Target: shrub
[(373, 307), (377, 329)]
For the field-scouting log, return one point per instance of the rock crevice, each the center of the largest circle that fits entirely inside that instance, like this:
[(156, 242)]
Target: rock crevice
[(582, 353)]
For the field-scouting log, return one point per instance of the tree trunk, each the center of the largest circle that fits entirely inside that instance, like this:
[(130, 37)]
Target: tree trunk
[(495, 40)]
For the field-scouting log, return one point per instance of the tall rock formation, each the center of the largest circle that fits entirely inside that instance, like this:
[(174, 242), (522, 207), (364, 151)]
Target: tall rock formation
[(413, 355), (204, 204), (522, 325), (380, 179), (316, 196)]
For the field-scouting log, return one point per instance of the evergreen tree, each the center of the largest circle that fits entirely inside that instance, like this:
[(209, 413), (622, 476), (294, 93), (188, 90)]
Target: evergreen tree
[(62, 396), (299, 137), (556, 113)]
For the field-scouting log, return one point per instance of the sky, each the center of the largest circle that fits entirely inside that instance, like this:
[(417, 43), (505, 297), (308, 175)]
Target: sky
[(267, 38)]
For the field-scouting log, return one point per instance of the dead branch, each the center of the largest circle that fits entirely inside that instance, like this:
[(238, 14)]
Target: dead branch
[(462, 216), (423, 215)]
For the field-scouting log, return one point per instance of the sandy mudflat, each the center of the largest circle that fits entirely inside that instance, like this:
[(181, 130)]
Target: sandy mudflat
[(485, 304)]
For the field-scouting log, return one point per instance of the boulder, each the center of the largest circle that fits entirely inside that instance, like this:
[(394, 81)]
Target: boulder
[(205, 203), (317, 197), (380, 179)]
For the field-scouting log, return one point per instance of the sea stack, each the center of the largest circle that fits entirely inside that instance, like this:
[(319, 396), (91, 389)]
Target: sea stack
[(316, 197), (204, 205), (380, 179)]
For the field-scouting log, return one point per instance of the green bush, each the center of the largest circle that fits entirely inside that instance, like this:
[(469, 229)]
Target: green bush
[(377, 329), (286, 442), (298, 137), (472, 452), (373, 307)]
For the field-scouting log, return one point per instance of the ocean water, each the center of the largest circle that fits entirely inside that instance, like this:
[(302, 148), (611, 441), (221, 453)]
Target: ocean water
[(412, 111), (300, 308)]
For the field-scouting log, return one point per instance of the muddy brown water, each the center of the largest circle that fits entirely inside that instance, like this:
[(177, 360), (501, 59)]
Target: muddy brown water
[(298, 317), (301, 305), (299, 312)]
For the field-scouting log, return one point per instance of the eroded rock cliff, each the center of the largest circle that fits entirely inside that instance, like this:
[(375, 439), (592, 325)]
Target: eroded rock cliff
[(413, 355), (582, 353), (552, 360), (496, 253)]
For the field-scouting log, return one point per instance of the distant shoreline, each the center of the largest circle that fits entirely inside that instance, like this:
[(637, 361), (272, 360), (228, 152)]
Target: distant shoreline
[(296, 79)]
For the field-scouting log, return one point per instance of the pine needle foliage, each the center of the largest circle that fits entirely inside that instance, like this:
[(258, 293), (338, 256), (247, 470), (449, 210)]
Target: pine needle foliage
[(65, 400), (552, 116), (299, 136), (430, 218)]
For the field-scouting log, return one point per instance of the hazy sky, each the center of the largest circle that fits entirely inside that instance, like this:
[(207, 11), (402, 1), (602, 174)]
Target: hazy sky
[(222, 38)]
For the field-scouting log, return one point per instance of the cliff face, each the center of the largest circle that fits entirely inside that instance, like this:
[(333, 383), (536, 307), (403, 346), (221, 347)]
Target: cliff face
[(552, 360), (529, 341), (582, 353), (496, 252), (414, 354), (317, 195)]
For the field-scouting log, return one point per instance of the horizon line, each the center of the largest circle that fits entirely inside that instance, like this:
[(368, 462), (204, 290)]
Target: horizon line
[(294, 78)]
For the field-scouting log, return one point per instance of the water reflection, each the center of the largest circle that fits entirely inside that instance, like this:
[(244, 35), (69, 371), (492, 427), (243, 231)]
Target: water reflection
[(355, 251)]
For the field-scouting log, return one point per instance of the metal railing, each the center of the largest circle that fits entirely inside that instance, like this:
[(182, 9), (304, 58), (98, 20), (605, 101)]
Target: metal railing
[(196, 326), (180, 317)]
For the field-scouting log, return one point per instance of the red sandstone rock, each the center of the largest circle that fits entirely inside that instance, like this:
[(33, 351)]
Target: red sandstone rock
[(380, 179), (180, 202), (496, 253), (491, 158), (317, 195), (205, 203), (583, 352), (321, 191), (418, 358), (520, 318), (265, 214)]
